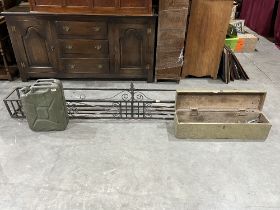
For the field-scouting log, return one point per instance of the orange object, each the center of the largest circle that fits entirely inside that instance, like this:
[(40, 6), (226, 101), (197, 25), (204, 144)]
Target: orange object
[(240, 45)]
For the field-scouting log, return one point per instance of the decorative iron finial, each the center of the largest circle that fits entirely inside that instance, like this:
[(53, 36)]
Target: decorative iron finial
[(132, 86)]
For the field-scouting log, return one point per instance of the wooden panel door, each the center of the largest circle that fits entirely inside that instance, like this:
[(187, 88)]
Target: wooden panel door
[(133, 44), (208, 25), (36, 51)]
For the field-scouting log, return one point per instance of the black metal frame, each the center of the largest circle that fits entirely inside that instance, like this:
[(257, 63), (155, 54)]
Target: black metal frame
[(129, 103)]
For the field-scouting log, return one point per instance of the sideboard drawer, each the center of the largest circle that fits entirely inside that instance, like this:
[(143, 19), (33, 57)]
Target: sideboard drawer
[(96, 30), (90, 48), (80, 66)]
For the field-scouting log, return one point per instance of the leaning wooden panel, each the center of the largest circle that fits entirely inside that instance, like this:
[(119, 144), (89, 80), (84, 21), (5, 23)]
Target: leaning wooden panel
[(221, 115), (171, 38), (209, 20)]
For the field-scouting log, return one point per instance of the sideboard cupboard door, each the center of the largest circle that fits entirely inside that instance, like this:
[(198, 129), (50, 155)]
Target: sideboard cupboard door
[(36, 51), (133, 49)]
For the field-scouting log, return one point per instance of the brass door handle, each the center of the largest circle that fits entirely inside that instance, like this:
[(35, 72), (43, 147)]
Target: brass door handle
[(66, 28), (72, 66), (96, 29), (69, 47), (98, 47), (52, 48), (100, 66)]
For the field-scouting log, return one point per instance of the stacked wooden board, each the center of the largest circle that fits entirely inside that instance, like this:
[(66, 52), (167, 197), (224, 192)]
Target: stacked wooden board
[(173, 16)]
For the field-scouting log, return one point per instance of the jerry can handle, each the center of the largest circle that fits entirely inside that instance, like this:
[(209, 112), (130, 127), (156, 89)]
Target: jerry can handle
[(42, 84), (25, 90), (49, 86), (46, 80)]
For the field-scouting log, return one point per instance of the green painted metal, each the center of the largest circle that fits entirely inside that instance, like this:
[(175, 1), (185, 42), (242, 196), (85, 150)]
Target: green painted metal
[(44, 106)]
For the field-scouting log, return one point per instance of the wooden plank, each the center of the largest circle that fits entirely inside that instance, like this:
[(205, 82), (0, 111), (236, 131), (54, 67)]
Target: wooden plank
[(171, 38), (209, 22)]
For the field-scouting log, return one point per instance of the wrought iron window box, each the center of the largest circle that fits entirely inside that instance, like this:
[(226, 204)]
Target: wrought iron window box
[(108, 103)]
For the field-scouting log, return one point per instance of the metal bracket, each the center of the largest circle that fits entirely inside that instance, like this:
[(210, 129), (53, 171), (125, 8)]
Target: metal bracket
[(242, 112), (22, 65), (194, 112), (13, 28)]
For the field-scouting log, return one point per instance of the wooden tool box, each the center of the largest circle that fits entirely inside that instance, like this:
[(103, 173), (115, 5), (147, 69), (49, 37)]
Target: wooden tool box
[(221, 115)]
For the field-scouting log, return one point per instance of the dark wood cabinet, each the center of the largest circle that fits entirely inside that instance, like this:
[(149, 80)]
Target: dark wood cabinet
[(82, 46), (129, 7)]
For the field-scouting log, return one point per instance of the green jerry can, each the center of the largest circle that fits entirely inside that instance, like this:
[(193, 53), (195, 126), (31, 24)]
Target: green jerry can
[(44, 105)]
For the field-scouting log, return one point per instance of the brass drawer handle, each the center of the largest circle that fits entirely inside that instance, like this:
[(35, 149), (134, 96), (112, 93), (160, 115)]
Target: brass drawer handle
[(98, 47), (96, 29), (72, 66), (69, 47), (66, 28), (52, 48), (100, 66)]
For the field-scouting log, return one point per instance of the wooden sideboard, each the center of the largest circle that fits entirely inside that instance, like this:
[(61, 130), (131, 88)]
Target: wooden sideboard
[(82, 46), (128, 7)]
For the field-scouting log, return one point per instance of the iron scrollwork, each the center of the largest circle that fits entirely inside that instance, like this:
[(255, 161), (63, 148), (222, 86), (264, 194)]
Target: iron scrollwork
[(127, 104), (134, 105)]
